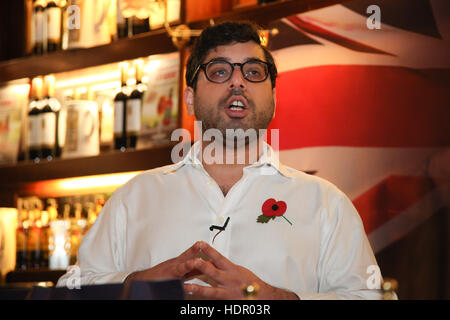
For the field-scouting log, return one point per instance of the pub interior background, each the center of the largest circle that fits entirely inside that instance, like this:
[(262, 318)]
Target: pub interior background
[(362, 101)]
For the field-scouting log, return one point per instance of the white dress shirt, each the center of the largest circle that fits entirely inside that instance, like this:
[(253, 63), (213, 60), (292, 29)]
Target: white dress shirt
[(160, 213)]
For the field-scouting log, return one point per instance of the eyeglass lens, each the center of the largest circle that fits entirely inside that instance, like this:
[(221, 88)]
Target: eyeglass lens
[(253, 71)]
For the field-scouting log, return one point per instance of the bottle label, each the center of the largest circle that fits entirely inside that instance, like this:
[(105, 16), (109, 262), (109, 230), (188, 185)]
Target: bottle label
[(48, 129), (33, 131), (118, 117), (39, 27), (54, 24), (134, 115)]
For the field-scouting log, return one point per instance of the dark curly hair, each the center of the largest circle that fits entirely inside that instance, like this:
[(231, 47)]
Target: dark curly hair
[(224, 34)]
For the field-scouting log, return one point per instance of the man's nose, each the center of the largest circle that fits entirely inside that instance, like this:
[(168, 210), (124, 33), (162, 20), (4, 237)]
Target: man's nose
[(237, 79)]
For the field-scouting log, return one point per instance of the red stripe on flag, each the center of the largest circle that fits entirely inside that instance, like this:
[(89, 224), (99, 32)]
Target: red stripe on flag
[(389, 198), (363, 106)]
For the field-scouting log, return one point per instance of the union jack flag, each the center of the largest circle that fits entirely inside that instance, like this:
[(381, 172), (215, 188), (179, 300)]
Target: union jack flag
[(369, 109)]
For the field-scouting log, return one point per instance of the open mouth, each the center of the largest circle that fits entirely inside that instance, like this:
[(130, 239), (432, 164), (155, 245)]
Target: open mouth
[(236, 109), (236, 105)]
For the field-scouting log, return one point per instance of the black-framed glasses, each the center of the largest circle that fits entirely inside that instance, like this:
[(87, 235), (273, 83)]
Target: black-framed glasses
[(220, 70)]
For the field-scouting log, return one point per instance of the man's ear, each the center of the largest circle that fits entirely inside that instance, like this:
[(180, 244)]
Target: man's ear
[(189, 100), (274, 94)]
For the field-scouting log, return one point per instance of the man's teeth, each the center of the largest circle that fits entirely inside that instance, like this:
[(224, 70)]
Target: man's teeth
[(237, 105)]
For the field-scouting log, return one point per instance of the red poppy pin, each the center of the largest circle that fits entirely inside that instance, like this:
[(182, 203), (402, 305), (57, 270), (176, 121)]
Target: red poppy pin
[(272, 209)]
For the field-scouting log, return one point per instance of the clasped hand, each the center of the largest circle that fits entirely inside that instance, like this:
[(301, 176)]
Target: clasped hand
[(227, 279)]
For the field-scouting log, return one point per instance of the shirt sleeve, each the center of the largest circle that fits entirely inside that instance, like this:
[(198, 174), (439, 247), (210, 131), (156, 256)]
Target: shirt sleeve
[(101, 256), (345, 255)]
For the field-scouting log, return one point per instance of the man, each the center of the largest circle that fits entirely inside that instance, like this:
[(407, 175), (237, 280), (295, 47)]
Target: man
[(286, 233)]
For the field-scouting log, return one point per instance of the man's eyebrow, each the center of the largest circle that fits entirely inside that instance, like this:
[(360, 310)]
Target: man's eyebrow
[(218, 59)]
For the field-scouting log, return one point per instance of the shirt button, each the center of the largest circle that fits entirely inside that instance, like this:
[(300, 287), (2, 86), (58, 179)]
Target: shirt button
[(220, 220)]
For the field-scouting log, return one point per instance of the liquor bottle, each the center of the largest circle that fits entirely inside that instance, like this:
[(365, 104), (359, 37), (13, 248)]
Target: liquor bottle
[(120, 112), (140, 24), (34, 111), (99, 200), (34, 234), (124, 27), (44, 239), (81, 216), (67, 208), (49, 122), (53, 14), (76, 229), (50, 235), (91, 217), (21, 235), (134, 107), (38, 26)]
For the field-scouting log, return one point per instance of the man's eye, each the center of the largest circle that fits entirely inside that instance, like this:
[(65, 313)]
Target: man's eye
[(220, 72), (254, 72)]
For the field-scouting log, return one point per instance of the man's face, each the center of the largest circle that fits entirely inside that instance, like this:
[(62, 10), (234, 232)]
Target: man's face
[(210, 102)]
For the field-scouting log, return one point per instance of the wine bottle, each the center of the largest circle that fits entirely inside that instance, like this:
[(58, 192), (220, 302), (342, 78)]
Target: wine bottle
[(21, 235), (53, 14), (49, 234), (34, 234), (124, 28), (44, 239), (134, 107), (49, 121), (34, 111), (38, 27), (120, 112), (140, 24)]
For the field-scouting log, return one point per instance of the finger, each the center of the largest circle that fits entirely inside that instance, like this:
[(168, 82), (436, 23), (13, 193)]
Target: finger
[(181, 269), (209, 269), (190, 253), (219, 260), (207, 292)]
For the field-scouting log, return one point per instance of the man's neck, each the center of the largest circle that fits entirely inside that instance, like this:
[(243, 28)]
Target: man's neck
[(225, 165)]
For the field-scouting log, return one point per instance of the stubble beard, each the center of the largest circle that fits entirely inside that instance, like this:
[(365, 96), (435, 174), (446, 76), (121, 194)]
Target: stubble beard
[(213, 117)]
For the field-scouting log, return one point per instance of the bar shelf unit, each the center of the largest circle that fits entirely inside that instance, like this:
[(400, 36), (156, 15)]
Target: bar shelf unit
[(15, 177)]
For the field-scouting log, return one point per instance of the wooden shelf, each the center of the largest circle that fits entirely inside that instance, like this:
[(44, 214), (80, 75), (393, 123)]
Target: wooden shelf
[(110, 162), (154, 42), (15, 178)]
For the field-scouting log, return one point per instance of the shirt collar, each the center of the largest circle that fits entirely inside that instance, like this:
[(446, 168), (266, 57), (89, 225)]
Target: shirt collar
[(268, 158)]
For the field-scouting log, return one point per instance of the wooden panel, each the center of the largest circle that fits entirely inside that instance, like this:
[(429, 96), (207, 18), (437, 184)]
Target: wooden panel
[(155, 42), (420, 261), (111, 162), (264, 14), (203, 9)]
